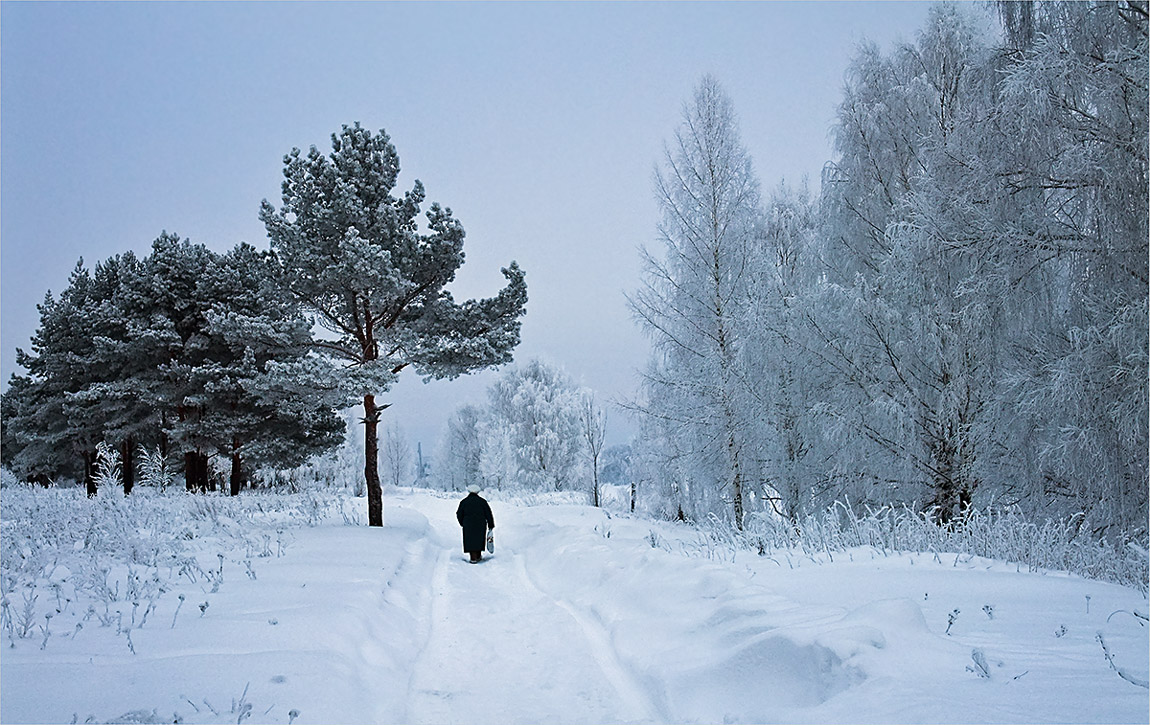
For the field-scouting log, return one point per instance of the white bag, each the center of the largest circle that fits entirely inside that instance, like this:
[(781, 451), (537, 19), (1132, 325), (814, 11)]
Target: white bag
[(490, 541)]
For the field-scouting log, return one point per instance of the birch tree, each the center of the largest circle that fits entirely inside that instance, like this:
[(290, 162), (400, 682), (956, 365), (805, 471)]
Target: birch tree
[(1069, 164), (902, 330), (532, 430), (593, 430), (784, 380), (398, 458), (695, 292)]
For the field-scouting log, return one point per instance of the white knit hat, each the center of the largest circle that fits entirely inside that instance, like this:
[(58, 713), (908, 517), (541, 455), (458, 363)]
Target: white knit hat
[(473, 488)]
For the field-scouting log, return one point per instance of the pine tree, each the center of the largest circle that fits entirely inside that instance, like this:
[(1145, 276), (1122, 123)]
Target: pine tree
[(238, 379), (33, 431), (122, 358), (185, 349), (354, 254), (49, 422), (268, 401)]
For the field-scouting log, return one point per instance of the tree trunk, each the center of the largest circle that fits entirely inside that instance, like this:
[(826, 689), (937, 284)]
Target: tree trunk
[(195, 471), (371, 462), (237, 477), (128, 463), (190, 466), (203, 479), (90, 472), (732, 446), (952, 494), (632, 497)]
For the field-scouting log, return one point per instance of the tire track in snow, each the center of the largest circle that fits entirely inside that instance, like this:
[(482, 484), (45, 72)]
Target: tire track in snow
[(436, 596), (638, 705)]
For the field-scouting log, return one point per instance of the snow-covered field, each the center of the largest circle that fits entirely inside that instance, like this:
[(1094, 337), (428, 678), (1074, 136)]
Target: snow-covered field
[(579, 617)]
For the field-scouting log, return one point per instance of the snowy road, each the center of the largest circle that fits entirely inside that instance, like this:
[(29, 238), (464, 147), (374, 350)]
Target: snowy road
[(499, 650)]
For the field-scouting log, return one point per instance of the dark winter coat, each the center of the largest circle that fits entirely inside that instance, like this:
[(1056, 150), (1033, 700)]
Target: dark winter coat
[(475, 517)]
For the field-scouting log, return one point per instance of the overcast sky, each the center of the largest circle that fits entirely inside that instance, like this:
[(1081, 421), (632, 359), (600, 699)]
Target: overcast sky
[(539, 124)]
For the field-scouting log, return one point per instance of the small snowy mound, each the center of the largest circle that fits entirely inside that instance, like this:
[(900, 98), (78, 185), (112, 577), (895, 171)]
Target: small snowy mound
[(701, 635), (137, 717)]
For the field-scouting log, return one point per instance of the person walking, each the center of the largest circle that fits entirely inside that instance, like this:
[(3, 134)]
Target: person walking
[(474, 514)]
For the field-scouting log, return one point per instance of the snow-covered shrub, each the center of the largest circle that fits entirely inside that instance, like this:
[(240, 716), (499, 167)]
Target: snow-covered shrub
[(8, 480), (155, 470), (337, 470), (108, 468), (528, 497)]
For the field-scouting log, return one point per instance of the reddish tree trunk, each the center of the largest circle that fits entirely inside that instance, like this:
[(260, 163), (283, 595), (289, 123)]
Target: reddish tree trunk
[(203, 479), (371, 462)]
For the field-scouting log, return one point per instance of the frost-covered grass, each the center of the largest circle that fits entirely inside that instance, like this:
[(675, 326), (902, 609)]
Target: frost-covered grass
[(68, 562), (1004, 535)]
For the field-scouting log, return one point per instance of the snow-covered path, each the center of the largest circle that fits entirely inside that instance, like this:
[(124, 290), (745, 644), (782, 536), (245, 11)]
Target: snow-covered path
[(579, 617), (499, 650)]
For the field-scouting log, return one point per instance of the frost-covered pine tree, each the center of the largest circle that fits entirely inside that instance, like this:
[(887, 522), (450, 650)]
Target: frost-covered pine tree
[(39, 438), (357, 257), (267, 401), (184, 351), (90, 357), (695, 293)]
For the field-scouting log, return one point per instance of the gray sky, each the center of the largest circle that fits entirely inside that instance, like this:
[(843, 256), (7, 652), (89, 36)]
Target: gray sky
[(539, 124)]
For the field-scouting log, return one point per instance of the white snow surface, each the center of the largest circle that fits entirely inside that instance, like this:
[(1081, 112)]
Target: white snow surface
[(585, 617)]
